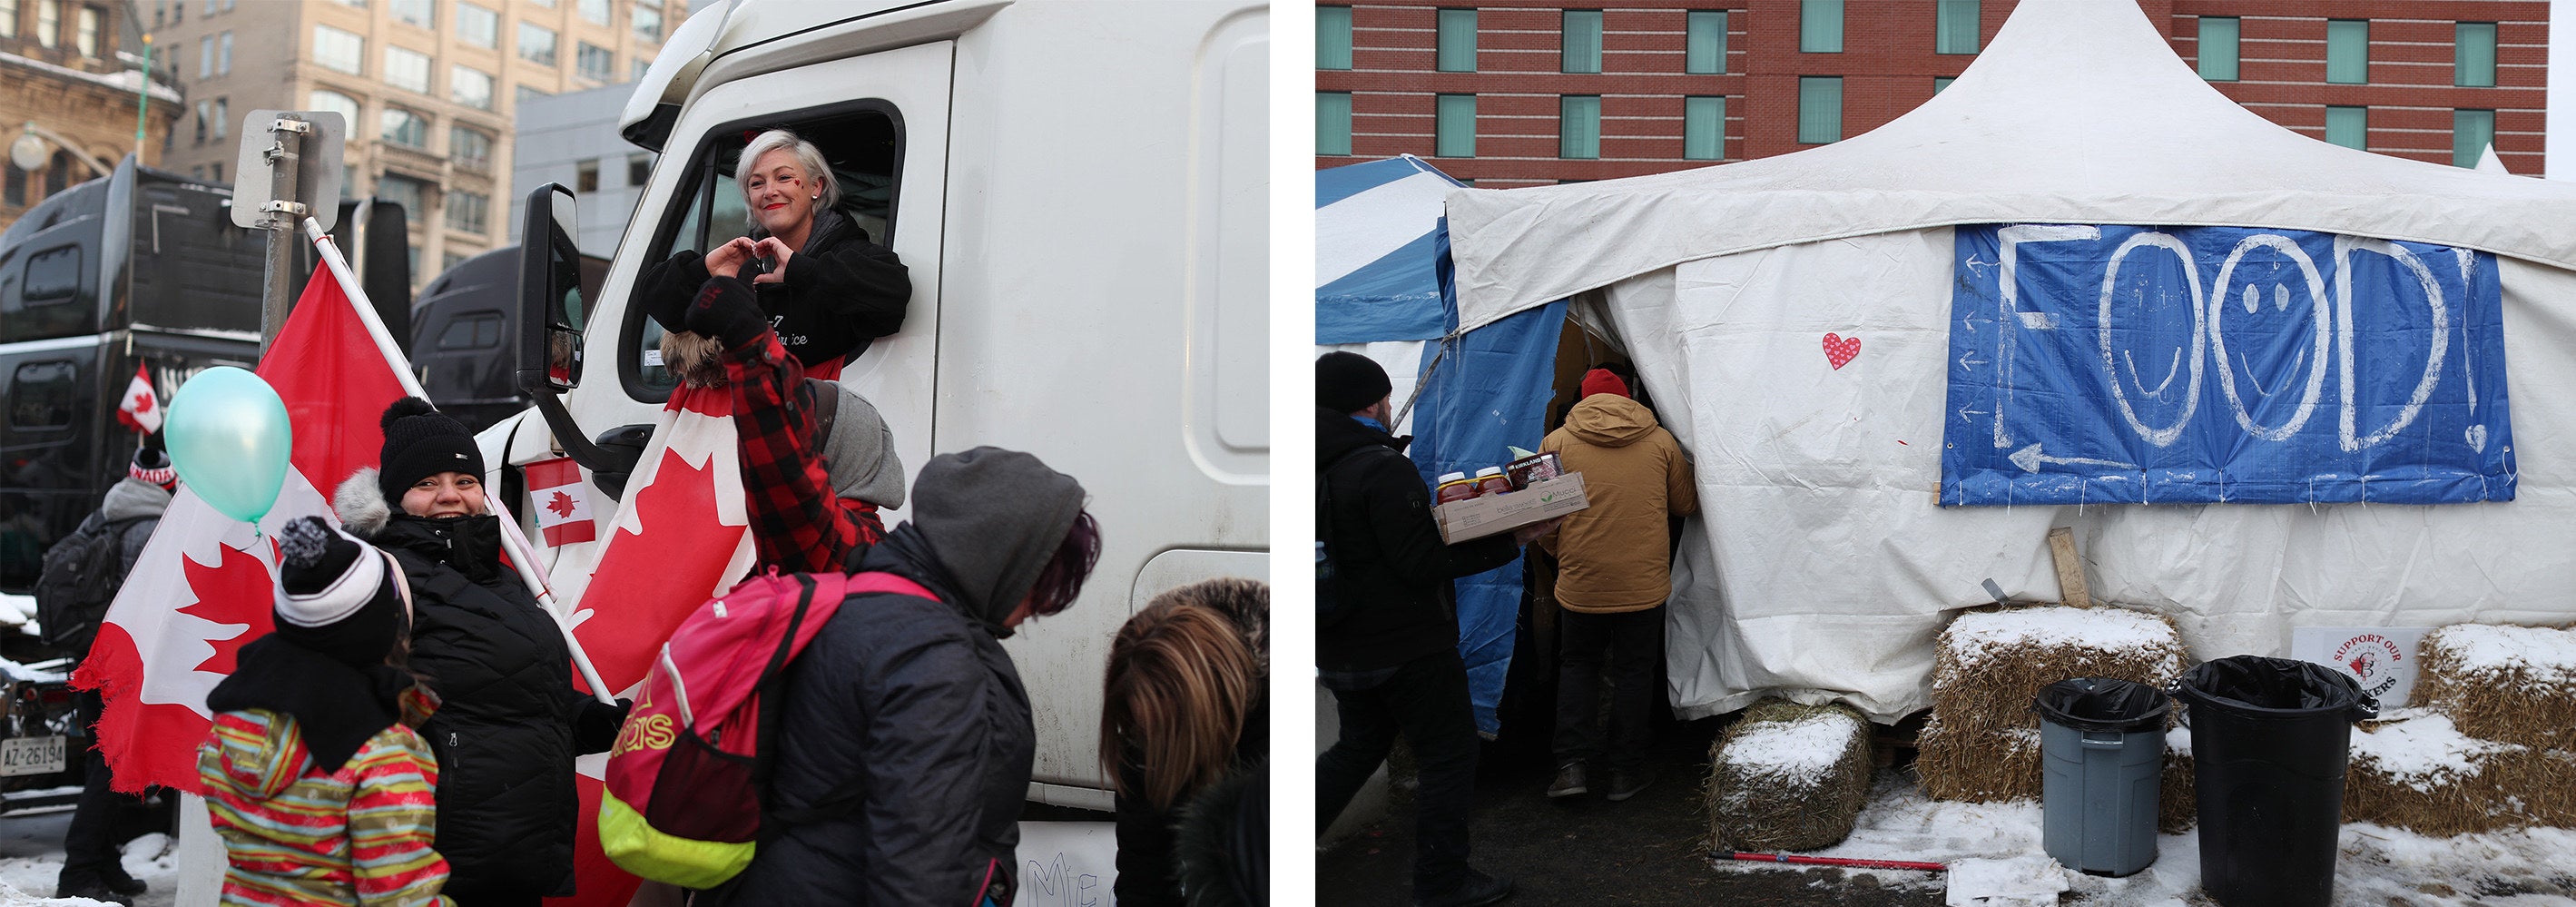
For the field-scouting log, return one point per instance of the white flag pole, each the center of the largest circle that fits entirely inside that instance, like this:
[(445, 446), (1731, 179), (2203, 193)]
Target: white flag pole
[(522, 555)]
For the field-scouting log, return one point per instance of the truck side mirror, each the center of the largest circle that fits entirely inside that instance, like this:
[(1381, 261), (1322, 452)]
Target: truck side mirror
[(550, 307)]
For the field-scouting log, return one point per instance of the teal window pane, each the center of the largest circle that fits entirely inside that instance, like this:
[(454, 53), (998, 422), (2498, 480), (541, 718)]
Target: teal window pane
[(1582, 40), (1942, 83), (1578, 127), (1704, 129), (2218, 36), (1820, 109), (1955, 27), (1332, 37), (1707, 43), (1457, 40), (2348, 51), (1332, 122), (1820, 26), (1455, 134), (2348, 126), (2471, 132), (2473, 56)]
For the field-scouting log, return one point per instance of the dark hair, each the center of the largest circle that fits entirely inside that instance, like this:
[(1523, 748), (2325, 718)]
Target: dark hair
[(1062, 577)]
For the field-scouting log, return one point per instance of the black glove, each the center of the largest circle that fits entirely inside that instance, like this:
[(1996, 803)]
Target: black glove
[(595, 729), (667, 289), (313, 555), (728, 310)]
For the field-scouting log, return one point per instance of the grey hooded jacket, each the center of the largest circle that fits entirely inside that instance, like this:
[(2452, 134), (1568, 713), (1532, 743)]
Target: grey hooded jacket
[(904, 721)]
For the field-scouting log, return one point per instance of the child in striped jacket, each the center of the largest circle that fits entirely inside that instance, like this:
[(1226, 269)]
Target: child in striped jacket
[(320, 788)]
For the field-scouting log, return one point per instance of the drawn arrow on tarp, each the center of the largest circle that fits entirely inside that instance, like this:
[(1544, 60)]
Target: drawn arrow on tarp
[(2029, 458)]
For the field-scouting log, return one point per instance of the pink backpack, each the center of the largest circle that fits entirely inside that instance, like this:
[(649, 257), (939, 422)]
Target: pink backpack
[(685, 781)]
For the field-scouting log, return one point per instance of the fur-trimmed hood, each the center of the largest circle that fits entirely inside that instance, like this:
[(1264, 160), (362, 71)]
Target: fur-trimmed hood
[(361, 505)]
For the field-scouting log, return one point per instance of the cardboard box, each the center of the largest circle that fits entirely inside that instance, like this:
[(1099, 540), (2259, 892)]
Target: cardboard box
[(1476, 518)]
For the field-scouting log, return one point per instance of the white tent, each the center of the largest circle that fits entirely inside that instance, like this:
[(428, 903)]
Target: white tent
[(1823, 565)]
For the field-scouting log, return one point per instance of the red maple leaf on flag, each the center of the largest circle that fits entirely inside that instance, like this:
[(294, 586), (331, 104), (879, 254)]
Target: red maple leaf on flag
[(561, 504), (664, 557), (143, 403), (235, 592)]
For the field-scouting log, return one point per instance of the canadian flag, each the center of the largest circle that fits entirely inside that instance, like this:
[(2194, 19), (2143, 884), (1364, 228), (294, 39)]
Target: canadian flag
[(202, 587), (562, 503), (141, 410)]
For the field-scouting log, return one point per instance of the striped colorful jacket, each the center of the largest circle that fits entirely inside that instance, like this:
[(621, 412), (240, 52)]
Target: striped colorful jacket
[(296, 834)]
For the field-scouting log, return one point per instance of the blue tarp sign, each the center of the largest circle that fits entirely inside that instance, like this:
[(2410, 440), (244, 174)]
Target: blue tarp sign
[(2112, 364)]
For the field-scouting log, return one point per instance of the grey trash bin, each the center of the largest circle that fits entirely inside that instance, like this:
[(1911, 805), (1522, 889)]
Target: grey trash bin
[(2102, 749)]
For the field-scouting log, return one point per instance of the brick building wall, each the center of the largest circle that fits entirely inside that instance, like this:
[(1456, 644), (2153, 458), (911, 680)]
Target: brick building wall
[(1888, 65)]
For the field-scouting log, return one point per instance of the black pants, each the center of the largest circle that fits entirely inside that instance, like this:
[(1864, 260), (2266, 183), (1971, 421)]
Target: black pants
[(1632, 640), (89, 845), (1426, 701)]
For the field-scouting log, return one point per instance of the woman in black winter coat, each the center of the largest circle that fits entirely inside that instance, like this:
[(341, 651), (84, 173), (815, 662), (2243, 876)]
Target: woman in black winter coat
[(1184, 710), (826, 288), (511, 722)]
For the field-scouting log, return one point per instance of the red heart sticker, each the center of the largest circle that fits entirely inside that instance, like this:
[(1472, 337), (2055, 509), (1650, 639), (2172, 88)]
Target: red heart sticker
[(1839, 349)]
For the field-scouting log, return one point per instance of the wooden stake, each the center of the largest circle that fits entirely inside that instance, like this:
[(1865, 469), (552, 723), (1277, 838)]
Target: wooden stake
[(2070, 572)]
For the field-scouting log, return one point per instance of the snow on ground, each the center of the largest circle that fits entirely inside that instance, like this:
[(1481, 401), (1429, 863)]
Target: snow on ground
[(153, 858), (2379, 866)]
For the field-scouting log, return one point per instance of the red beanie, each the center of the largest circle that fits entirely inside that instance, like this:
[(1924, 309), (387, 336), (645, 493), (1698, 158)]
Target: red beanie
[(1603, 381)]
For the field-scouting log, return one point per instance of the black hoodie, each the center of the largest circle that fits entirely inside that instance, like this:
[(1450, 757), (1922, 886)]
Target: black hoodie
[(1394, 571)]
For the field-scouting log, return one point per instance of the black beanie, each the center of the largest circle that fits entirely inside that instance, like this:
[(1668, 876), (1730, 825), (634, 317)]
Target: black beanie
[(421, 442), (1347, 382)]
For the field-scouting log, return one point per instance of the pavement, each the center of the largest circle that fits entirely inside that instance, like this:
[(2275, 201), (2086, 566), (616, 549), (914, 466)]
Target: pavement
[(1586, 851)]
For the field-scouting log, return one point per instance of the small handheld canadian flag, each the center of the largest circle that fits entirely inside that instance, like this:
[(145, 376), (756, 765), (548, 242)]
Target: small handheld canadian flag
[(563, 503), (141, 410)]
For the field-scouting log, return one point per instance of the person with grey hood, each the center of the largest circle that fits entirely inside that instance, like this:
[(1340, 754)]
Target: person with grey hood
[(905, 739), (91, 866), (808, 513)]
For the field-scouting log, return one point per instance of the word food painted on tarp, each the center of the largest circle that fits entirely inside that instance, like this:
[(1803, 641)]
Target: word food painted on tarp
[(2115, 364)]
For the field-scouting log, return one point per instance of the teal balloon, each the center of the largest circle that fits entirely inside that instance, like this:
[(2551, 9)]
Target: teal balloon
[(229, 440)]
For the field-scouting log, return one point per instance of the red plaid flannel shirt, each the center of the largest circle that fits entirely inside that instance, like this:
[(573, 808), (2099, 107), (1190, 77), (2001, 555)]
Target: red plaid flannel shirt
[(797, 524)]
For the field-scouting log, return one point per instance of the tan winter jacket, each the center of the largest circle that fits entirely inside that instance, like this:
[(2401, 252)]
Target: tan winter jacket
[(1615, 555)]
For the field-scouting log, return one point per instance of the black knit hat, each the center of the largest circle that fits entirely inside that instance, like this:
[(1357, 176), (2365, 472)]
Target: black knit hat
[(1347, 382), (421, 442)]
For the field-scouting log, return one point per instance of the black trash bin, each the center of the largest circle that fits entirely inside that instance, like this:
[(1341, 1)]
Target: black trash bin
[(2270, 738), (2102, 756)]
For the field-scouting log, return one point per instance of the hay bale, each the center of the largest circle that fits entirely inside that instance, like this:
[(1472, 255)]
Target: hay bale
[(1989, 666), (1789, 777), (1977, 766), (2177, 801), (2502, 683), (2422, 773)]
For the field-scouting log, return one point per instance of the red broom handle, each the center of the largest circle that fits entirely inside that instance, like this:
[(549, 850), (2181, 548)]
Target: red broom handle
[(1830, 861)]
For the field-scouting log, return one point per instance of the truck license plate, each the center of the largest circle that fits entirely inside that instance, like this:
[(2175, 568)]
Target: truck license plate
[(31, 756)]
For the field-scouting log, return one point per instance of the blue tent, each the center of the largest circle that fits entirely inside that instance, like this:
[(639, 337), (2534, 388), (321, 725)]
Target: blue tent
[(1382, 287)]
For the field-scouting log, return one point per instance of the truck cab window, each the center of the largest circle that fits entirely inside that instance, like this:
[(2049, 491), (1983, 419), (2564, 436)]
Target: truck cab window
[(41, 394), (861, 141)]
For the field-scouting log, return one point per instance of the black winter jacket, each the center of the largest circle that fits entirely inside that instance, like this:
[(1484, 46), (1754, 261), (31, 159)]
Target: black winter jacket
[(838, 295), (1386, 549), (511, 722), (904, 718)]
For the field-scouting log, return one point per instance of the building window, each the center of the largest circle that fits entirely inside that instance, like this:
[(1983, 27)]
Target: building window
[(411, 194), (2473, 54), (1454, 132), (1457, 41), (9, 29), (1582, 42), (2347, 51), (595, 10), (1704, 129), (205, 114), (585, 177), (1942, 83), (635, 71), (405, 128), (648, 24), (13, 192), (338, 103), (1332, 37), (470, 87), (206, 57), (466, 211), (1578, 127), (1332, 123), (536, 44), (595, 62), (223, 120), (49, 22), (2471, 132), (1820, 26), (407, 70), (477, 26), (1955, 27), (58, 174), (219, 167), (224, 54), (639, 170), (1706, 54), (470, 149), (447, 262), (2218, 48), (423, 13), (1820, 109), (522, 94), (340, 50), (87, 37), (2348, 126)]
